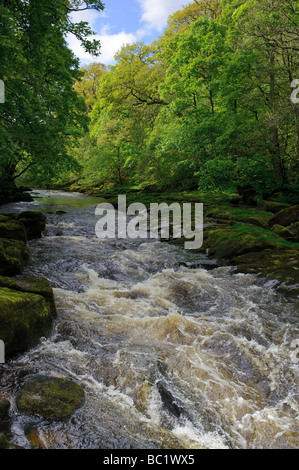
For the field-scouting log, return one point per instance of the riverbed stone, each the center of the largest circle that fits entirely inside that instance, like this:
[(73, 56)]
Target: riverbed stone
[(283, 232), (33, 286), (24, 319), (286, 217), (34, 223), (51, 397), (12, 229), (14, 255), (4, 409)]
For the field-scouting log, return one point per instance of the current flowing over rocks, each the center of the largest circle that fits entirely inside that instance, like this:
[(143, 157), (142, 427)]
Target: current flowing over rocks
[(172, 351)]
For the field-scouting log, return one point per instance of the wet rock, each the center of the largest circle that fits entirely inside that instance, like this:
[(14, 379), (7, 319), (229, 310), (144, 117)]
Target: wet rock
[(4, 409), (286, 217), (24, 319), (33, 286), (14, 255), (12, 229), (50, 397), (34, 223), (60, 212)]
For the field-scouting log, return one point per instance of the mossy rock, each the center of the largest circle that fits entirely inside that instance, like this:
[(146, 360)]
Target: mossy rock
[(51, 397), (229, 242), (282, 266), (33, 286), (14, 255), (4, 409), (271, 206), (24, 319), (12, 229), (34, 222), (244, 215), (283, 232), (286, 217)]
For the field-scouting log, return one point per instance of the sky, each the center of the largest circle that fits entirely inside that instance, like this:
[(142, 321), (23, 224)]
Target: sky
[(124, 22)]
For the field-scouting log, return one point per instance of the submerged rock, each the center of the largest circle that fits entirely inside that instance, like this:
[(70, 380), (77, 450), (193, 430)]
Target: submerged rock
[(4, 409), (24, 319), (14, 255), (50, 397)]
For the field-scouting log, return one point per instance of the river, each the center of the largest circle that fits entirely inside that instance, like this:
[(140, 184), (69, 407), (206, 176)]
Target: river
[(173, 351)]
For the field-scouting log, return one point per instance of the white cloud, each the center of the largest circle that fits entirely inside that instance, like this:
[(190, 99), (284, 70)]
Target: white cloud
[(156, 12), (153, 18), (110, 44)]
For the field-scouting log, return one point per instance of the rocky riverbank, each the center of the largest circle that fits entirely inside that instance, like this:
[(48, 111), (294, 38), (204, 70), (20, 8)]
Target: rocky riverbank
[(27, 312), (261, 239)]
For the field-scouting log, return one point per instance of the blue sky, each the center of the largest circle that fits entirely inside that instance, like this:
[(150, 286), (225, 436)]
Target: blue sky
[(124, 22)]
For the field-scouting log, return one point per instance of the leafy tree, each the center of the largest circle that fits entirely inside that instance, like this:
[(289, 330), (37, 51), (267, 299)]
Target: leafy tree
[(42, 112)]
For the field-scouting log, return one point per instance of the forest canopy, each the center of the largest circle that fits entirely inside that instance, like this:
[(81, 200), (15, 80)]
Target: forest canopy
[(206, 106)]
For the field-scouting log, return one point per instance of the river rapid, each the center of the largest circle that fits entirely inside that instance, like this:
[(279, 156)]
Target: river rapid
[(173, 351)]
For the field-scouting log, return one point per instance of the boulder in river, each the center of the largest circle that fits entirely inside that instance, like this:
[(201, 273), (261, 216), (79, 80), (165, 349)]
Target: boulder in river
[(24, 319), (4, 409), (14, 255), (33, 286), (51, 397), (12, 229), (34, 222)]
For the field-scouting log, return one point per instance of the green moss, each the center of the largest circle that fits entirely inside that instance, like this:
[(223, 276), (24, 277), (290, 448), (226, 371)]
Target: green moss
[(13, 256), (12, 229), (51, 397), (24, 319), (33, 286)]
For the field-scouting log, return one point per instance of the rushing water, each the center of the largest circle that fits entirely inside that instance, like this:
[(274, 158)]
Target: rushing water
[(172, 351)]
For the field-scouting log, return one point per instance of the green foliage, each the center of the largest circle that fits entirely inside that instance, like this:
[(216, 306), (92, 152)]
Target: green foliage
[(42, 113), (205, 106), (217, 175)]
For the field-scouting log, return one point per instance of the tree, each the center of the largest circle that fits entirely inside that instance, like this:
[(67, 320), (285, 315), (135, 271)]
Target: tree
[(42, 113), (89, 86)]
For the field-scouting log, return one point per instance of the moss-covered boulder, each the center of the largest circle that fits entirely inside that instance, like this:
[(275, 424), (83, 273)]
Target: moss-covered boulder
[(229, 242), (286, 217), (14, 255), (4, 409), (283, 232), (24, 319), (34, 222), (51, 397), (12, 229), (34, 286), (271, 206)]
